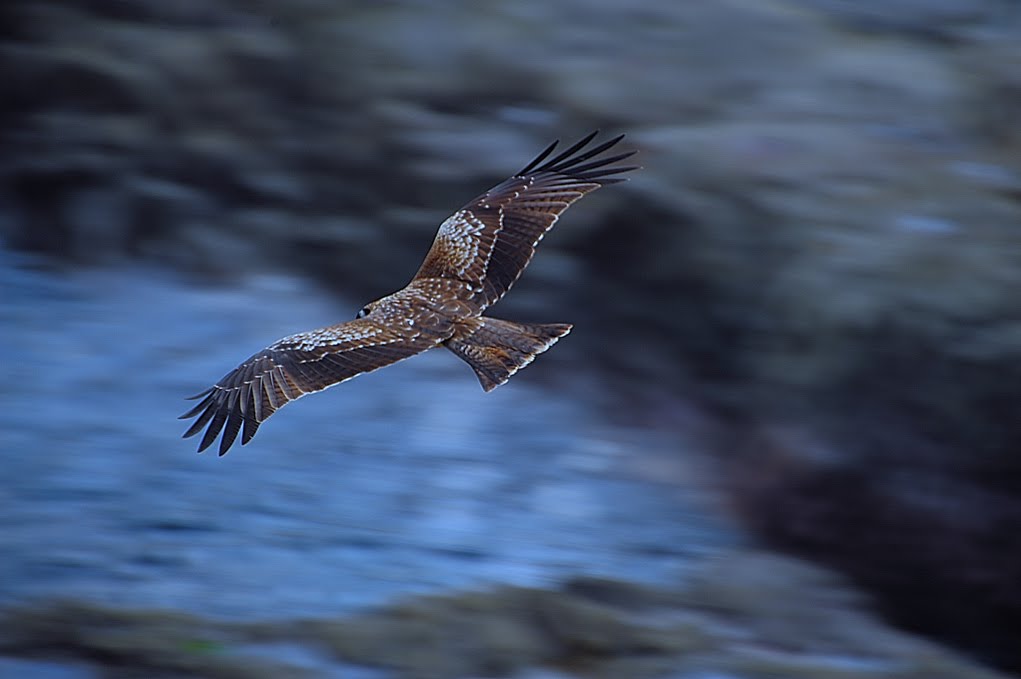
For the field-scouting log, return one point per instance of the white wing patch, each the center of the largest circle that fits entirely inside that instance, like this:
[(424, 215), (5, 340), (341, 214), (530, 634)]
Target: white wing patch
[(328, 337), (461, 236)]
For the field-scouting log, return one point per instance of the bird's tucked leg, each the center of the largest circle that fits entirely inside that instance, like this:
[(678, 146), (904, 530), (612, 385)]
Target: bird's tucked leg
[(497, 349)]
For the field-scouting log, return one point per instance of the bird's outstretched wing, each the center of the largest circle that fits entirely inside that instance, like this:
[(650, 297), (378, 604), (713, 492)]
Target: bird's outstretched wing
[(490, 241), (292, 367)]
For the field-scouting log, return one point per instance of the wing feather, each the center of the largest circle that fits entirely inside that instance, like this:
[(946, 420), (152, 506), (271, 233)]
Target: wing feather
[(290, 368), (251, 425), (490, 241), (207, 414)]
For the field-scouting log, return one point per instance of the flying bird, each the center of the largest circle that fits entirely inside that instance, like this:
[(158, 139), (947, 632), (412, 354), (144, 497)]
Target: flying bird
[(477, 255)]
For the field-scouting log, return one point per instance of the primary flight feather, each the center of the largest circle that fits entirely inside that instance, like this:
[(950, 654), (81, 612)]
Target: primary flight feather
[(477, 255)]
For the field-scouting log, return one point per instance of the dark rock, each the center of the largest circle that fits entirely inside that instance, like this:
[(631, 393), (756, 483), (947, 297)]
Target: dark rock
[(743, 614)]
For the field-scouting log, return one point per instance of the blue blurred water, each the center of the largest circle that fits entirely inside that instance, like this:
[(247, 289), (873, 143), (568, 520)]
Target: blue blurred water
[(405, 480)]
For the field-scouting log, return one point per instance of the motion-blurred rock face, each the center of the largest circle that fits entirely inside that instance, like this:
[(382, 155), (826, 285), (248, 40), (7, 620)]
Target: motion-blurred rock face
[(824, 241), (746, 615)]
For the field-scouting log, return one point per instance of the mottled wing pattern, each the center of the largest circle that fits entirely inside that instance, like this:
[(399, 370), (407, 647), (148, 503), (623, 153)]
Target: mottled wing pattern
[(490, 241), (292, 367)]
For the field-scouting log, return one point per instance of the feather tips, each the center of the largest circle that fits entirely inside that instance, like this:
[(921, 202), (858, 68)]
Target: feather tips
[(288, 370)]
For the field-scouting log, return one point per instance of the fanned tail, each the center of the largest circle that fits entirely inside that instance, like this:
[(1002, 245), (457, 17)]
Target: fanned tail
[(497, 349)]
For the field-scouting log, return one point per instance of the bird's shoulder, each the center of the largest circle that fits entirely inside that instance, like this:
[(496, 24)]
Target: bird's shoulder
[(425, 307)]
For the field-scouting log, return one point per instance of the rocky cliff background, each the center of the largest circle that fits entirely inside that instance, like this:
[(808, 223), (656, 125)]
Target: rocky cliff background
[(817, 272)]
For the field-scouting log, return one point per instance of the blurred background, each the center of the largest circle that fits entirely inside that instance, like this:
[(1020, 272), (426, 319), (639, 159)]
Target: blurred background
[(782, 440)]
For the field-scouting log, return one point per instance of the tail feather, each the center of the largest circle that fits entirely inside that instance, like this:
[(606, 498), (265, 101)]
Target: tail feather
[(497, 349)]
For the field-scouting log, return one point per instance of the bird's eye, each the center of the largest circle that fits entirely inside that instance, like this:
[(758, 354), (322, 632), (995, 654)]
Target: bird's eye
[(364, 312)]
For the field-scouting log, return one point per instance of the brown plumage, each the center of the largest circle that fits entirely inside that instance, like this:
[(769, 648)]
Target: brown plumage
[(478, 254)]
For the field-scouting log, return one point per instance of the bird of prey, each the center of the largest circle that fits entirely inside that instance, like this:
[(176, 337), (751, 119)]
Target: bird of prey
[(477, 255)]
